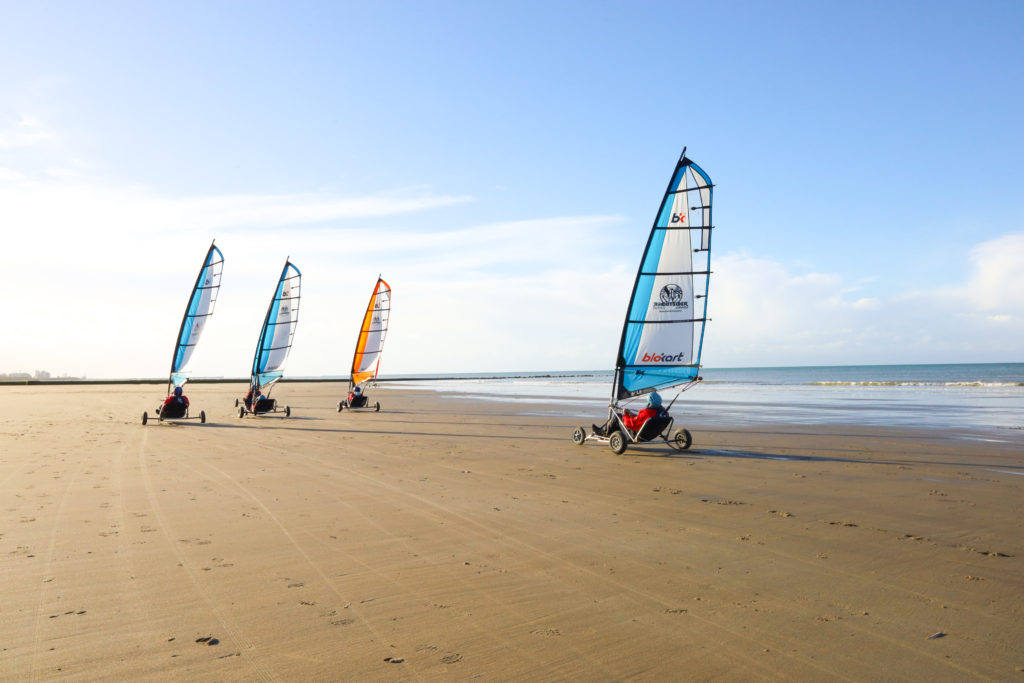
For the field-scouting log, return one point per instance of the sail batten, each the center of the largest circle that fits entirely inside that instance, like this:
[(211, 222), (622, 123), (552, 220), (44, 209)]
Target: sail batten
[(199, 309), (663, 331), (370, 343)]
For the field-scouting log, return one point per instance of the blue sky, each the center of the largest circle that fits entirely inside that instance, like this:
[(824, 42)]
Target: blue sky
[(501, 166)]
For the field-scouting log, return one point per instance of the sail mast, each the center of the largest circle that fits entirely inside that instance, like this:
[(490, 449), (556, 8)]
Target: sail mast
[(657, 348), (370, 341), (274, 344), (200, 307)]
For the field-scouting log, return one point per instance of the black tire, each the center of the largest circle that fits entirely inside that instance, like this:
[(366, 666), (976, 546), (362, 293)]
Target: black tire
[(202, 417), (287, 411), (617, 442), (145, 417), (376, 407), (341, 406), (579, 435), (681, 439), (236, 402), (241, 413)]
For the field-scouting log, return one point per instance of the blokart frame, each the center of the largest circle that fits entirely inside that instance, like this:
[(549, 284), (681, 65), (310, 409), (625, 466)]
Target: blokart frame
[(244, 410), (160, 416), (622, 436), (366, 405)]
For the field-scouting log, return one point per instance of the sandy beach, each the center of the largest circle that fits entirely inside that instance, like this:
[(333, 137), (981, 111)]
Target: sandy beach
[(453, 539)]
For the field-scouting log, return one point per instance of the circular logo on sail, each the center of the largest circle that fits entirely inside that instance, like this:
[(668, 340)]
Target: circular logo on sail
[(672, 298)]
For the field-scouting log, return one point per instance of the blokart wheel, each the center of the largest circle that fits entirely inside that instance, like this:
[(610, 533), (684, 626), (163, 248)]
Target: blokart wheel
[(287, 411), (579, 435), (341, 406), (145, 417), (236, 402), (680, 439), (202, 417), (241, 412), (617, 442), (376, 407)]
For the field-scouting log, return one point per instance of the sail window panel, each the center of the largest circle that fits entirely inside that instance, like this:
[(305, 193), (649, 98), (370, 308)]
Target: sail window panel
[(703, 182), (640, 380)]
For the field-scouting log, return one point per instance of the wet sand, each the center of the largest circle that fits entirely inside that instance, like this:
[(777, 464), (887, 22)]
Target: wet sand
[(455, 539)]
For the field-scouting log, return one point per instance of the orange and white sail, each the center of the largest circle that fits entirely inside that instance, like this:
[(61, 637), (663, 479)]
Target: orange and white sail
[(371, 335)]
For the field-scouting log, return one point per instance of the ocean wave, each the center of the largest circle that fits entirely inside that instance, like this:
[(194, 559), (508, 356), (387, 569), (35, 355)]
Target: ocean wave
[(916, 384)]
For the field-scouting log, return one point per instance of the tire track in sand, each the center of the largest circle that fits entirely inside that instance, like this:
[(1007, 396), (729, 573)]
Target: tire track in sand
[(491, 534), (247, 648), (235, 484), (44, 588)]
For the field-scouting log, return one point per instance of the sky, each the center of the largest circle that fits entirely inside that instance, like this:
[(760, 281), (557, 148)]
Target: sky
[(501, 165)]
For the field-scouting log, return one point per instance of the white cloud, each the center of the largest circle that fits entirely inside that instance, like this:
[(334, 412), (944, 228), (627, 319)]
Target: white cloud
[(997, 276), (103, 271), (765, 315), (25, 131), (97, 274)]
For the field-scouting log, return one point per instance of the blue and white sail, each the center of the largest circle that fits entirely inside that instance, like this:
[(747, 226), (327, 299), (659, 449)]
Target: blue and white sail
[(663, 333), (278, 329), (197, 314)]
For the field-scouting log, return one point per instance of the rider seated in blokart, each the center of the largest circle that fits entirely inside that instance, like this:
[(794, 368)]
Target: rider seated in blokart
[(256, 402), (633, 422), (356, 399), (174, 406)]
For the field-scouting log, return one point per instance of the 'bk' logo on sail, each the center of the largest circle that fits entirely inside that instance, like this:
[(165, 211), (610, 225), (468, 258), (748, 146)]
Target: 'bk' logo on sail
[(678, 218)]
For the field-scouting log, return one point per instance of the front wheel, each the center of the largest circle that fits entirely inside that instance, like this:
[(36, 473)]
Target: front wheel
[(241, 413), (376, 407), (579, 435), (202, 417), (680, 439), (145, 417), (617, 442), (287, 411), (236, 402), (341, 406)]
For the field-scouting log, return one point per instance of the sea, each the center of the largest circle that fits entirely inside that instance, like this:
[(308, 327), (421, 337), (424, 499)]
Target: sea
[(975, 396)]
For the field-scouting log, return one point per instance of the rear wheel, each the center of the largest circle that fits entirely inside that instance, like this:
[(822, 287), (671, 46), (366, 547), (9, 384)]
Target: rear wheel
[(617, 442), (680, 439), (236, 402), (579, 435), (202, 417), (341, 406), (287, 411), (145, 417), (241, 413), (376, 407)]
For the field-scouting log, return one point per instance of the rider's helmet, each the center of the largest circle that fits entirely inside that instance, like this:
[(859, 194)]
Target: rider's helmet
[(357, 391), (177, 391), (654, 400)]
